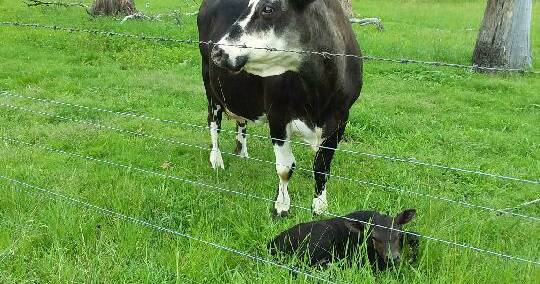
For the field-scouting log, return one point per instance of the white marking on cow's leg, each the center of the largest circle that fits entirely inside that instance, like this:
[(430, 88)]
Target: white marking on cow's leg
[(320, 204), (241, 139), (284, 168), (283, 200), (215, 156)]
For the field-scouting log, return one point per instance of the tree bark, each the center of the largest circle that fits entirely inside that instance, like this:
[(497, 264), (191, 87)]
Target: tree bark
[(504, 40), (113, 8), (347, 7)]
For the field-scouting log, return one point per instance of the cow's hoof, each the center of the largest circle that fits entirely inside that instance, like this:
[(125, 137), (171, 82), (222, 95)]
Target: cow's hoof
[(319, 212), (216, 160), (320, 207), (280, 214), (241, 152)]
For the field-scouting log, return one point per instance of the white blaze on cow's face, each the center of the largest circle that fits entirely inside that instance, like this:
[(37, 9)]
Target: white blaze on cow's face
[(264, 24)]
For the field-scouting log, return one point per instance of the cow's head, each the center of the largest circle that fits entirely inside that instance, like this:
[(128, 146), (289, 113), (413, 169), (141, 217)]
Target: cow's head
[(385, 241), (273, 24)]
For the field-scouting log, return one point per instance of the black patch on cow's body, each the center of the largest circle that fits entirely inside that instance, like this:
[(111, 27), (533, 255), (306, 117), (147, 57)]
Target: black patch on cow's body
[(235, 32)]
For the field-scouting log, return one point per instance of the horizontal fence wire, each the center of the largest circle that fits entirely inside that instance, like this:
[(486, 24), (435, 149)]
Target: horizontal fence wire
[(269, 49), (140, 222), (253, 196), (369, 155), (522, 205), (361, 182)]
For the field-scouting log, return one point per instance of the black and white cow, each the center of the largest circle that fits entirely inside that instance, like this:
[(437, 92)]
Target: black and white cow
[(294, 92)]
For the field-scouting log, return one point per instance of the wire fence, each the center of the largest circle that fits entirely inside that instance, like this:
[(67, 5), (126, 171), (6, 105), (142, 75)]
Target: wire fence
[(361, 182), (253, 196), (141, 222), (522, 205), (268, 49), (196, 126), (159, 39)]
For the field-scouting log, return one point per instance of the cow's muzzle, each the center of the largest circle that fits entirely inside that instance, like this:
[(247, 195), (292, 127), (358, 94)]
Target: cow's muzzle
[(223, 59)]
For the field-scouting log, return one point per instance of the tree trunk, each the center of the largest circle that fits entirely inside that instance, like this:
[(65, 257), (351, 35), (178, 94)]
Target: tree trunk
[(347, 7), (504, 40), (113, 8)]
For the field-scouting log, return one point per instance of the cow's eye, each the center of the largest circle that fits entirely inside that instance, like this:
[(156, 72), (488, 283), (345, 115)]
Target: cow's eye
[(267, 10)]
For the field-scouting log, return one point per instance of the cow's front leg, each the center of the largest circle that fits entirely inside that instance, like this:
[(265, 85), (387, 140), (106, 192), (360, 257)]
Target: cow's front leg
[(321, 168), (241, 139), (284, 166), (215, 115)]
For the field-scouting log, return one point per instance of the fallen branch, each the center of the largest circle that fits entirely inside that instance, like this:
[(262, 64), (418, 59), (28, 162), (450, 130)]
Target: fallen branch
[(33, 3), (368, 21), (140, 16), (176, 15)]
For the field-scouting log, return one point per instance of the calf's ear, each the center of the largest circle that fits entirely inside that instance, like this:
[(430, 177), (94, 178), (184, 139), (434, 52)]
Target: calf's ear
[(405, 216), (356, 227)]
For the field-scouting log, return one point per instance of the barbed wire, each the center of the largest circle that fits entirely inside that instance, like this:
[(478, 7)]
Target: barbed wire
[(252, 196), (525, 204), (269, 49), (158, 228), (370, 155), (359, 181)]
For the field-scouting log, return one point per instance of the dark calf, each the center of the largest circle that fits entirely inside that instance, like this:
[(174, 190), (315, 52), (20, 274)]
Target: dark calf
[(339, 238)]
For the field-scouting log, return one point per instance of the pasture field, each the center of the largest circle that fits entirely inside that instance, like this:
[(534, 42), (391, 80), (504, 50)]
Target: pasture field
[(440, 115)]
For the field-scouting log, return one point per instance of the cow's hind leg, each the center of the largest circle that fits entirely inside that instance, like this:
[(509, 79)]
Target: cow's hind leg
[(241, 139), (321, 168), (215, 115)]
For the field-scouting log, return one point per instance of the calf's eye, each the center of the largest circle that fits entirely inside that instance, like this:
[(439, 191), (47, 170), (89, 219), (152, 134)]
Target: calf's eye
[(267, 10)]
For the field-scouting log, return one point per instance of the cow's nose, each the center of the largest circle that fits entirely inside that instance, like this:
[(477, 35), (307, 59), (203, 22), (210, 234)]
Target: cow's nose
[(396, 260), (218, 56)]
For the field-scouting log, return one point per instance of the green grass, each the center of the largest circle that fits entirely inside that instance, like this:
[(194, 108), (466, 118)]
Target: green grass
[(440, 115)]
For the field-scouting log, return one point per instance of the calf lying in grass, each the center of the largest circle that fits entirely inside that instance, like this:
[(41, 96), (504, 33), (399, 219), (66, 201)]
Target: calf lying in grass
[(324, 242)]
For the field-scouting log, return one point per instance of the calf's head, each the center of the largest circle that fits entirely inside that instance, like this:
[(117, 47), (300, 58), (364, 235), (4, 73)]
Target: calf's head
[(265, 24), (384, 236)]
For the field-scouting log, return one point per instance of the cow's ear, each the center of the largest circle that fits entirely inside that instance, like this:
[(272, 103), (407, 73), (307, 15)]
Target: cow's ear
[(301, 4), (356, 227), (405, 216)]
